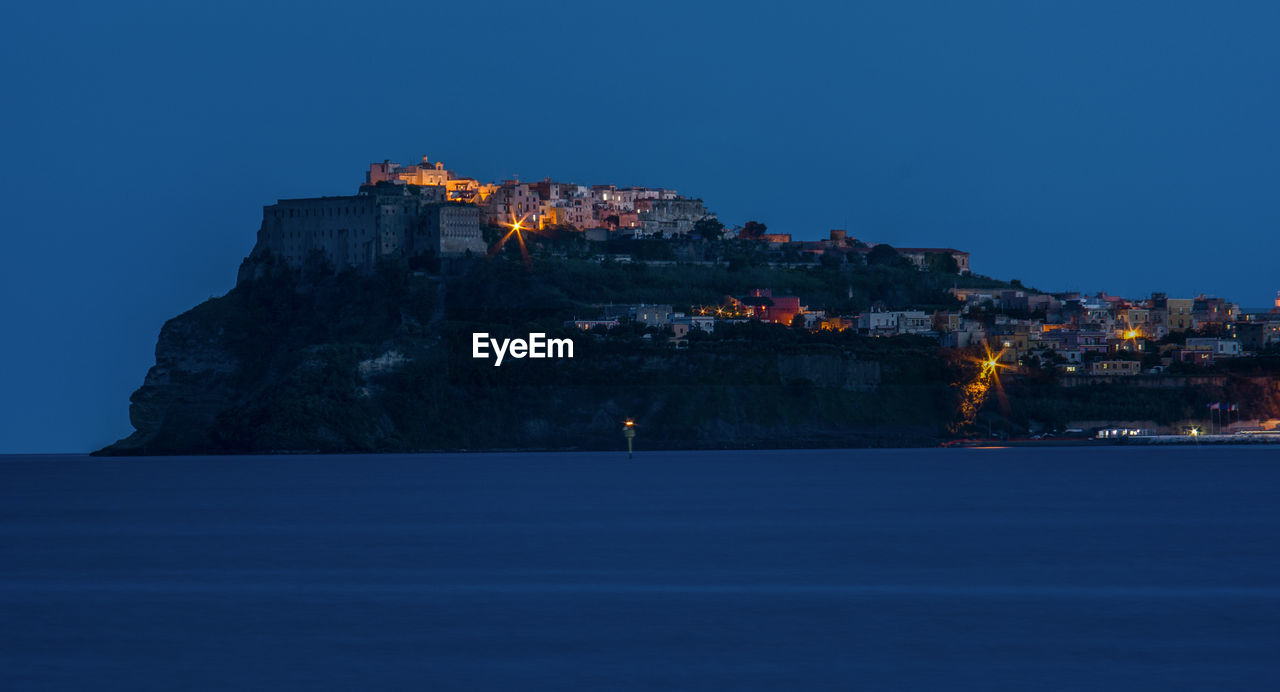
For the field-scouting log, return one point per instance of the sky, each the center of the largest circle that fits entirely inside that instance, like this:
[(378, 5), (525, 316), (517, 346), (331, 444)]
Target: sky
[(1120, 146)]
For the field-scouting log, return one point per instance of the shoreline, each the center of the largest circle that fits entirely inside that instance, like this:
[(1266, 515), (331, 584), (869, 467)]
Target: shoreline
[(973, 443)]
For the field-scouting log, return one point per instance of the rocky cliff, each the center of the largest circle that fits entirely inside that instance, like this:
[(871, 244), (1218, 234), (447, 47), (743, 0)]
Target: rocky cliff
[(310, 361), (287, 363)]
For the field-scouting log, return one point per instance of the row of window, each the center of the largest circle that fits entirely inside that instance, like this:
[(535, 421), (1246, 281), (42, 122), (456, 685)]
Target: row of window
[(328, 212)]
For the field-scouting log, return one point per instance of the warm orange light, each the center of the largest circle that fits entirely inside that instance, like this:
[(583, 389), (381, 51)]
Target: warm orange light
[(517, 231), (629, 423), (1131, 334)]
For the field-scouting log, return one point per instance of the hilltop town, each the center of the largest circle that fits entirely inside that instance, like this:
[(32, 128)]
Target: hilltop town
[(352, 322), (425, 209)]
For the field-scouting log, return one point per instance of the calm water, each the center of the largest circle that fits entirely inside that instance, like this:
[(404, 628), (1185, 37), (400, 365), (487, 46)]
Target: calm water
[(1009, 569)]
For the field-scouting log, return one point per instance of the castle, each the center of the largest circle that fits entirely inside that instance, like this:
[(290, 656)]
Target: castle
[(384, 219), (424, 209)]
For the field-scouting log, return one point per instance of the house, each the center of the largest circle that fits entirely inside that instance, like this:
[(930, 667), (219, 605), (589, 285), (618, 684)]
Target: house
[(1220, 348), (974, 296), (969, 333), (579, 213), (1209, 310), (946, 321), (814, 320), (1179, 314), (1185, 355), (682, 324), (878, 323), (914, 322), (653, 315), (588, 325), (838, 324), (1012, 341), (1115, 367), (761, 304), (1256, 335)]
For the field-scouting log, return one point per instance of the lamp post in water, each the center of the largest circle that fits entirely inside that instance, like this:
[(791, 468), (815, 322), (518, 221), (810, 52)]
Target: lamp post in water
[(629, 432)]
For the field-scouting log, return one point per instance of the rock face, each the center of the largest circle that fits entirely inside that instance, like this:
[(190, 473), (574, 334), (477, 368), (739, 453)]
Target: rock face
[(829, 370), (179, 401), (359, 363), (309, 361)]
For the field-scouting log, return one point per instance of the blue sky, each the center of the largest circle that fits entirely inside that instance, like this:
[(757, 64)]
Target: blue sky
[(1125, 146)]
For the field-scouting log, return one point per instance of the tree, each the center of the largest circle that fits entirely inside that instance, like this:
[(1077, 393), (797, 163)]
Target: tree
[(943, 262), (709, 228), (492, 233), (316, 266), (753, 230), (883, 255)]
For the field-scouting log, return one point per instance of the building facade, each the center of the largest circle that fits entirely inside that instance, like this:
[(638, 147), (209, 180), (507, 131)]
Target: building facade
[(355, 232)]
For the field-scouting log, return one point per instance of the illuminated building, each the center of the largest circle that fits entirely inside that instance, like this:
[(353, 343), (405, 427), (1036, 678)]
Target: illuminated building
[(1179, 314), (424, 174), (1115, 367), (761, 304)]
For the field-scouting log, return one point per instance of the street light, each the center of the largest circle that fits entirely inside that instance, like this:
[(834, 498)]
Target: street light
[(629, 432)]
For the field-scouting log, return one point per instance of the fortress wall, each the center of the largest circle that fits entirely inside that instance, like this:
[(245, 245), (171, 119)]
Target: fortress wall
[(354, 232), (344, 228)]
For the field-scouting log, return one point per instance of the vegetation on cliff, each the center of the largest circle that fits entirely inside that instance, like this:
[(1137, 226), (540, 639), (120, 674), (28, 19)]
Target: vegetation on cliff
[(310, 361)]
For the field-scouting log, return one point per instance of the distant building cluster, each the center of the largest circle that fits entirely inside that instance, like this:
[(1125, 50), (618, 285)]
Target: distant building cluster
[(426, 209), (632, 211), (1104, 335), (1099, 335)]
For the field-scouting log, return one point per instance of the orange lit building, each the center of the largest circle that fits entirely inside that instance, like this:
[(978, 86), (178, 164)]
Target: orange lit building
[(761, 304)]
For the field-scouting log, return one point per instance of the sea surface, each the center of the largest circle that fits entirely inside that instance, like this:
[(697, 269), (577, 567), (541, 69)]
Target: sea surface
[(1109, 568)]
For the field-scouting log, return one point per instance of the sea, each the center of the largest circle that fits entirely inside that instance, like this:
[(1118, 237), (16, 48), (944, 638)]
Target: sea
[(1054, 568)]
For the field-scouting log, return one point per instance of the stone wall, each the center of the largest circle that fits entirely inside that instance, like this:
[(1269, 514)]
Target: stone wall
[(354, 232), (669, 216)]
